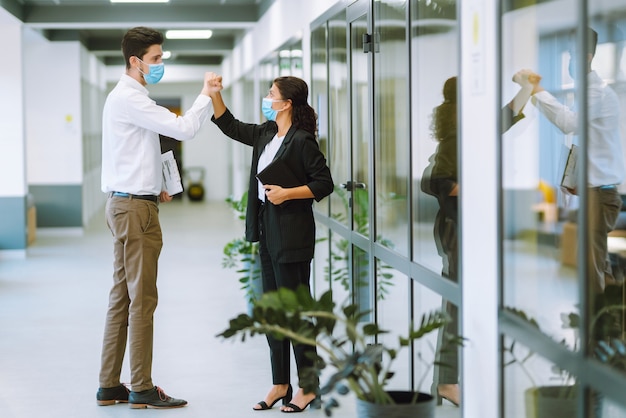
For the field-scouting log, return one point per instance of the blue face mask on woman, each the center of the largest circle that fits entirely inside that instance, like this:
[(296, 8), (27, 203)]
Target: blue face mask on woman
[(266, 107), (155, 73)]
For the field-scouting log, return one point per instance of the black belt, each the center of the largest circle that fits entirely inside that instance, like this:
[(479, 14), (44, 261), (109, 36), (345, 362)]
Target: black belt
[(149, 197)]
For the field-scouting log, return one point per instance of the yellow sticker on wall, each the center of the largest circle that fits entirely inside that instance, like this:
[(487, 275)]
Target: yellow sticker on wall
[(475, 28)]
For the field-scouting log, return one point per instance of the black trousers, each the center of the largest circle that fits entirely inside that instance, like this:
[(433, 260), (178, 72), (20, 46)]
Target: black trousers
[(446, 238), (289, 275)]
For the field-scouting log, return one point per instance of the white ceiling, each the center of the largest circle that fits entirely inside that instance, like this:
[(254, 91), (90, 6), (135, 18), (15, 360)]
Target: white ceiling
[(99, 25)]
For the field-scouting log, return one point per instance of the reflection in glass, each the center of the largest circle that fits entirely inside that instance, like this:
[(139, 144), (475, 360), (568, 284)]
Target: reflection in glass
[(391, 125), (539, 251), (338, 141), (319, 269), (606, 151), (360, 127), (433, 30), (440, 179), (393, 316), (361, 283), (554, 212), (424, 374), (319, 102), (535, 386), (337, 270)]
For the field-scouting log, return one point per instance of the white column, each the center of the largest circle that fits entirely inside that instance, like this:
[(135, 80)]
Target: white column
[(13, 187), (479, 201), (54, 132)]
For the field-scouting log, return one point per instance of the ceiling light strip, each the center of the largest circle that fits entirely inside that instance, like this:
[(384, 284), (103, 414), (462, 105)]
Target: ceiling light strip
[(139, 1)]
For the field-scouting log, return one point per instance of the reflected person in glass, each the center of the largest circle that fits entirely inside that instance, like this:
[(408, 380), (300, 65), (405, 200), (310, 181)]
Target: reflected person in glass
[(440, 179), (605, 166)]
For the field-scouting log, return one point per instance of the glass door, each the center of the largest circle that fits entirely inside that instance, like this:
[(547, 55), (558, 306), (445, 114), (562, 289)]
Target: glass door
[(360, 48)]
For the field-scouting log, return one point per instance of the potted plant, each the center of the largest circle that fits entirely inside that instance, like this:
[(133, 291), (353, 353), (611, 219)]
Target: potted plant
[(244, 256), (344, 343)]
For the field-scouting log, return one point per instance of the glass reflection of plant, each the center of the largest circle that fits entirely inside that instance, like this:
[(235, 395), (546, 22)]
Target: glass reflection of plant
[(338, 270), (566, 389), (609, 342)]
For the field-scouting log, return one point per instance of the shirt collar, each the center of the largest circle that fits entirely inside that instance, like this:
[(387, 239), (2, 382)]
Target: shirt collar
[(132, 83), (594, 79)]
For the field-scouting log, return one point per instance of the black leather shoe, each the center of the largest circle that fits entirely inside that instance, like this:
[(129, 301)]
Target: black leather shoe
[(153, 398), (111, 396)]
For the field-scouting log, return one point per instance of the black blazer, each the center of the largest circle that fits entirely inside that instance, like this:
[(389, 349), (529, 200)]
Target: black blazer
[(290, 229)]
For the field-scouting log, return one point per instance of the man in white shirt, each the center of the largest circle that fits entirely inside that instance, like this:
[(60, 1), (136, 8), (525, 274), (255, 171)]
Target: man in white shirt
[(132, 177), (605, 164)]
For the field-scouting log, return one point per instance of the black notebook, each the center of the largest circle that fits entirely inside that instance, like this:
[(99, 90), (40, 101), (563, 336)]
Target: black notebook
[(278, 173)]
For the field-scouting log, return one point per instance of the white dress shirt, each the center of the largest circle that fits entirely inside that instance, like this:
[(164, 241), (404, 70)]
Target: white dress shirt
[(606, 165), (131, 124), (266, 157)]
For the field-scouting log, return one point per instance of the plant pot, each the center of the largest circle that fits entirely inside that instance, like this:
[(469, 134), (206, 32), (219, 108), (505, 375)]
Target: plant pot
[(403, 408), (551, 402)]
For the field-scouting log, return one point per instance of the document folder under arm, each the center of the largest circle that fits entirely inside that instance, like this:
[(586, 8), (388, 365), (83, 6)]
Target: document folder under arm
[(278, 173)]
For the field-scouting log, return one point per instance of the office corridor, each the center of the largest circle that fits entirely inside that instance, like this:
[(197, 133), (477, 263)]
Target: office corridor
[(52, 308)]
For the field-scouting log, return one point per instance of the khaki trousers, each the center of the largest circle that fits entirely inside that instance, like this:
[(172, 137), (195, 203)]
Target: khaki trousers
[(604, 207), (137, 243)]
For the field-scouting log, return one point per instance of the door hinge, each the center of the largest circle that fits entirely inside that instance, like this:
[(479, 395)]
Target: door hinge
[(370, 42), (367, 43)]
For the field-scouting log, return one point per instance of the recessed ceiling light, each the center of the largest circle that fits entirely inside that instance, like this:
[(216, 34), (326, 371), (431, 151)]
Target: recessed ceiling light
[(166, 55), (139, 1), (188, 34)]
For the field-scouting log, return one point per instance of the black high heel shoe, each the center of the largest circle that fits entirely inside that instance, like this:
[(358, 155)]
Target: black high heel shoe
[(286, 399), (296, 408)]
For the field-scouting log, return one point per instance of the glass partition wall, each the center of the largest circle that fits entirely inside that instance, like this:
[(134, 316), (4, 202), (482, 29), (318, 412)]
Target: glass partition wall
[(562, 156), (383, 84), (375, 93)]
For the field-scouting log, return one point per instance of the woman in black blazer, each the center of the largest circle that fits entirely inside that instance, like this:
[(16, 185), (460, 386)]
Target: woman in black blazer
[(281, 218)]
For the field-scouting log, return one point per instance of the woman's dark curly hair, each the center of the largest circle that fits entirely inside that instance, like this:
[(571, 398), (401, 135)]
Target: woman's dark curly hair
[(295, 89), (443, 124)]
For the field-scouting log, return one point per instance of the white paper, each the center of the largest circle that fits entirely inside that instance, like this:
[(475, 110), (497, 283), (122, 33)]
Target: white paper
[(171, 175)]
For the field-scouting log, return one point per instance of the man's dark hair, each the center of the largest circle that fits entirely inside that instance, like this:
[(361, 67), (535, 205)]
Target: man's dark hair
[(592, 41), (137, 41)]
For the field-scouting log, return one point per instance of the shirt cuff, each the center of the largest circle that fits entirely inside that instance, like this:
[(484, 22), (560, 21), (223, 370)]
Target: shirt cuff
[(540, 96), (203, 100)]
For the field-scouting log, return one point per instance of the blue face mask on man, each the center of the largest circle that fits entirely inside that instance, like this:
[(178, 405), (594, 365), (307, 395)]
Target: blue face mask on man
[(266, 107), (155, 73)]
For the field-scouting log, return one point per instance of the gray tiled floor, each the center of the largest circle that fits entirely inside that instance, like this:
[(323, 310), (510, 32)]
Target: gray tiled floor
[(52, 306)]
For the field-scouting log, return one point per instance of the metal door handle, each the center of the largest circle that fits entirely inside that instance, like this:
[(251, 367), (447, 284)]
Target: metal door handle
[(351, 185)]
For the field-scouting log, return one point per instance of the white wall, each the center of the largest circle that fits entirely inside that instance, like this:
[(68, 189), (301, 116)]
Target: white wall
[(53, 121), (479, 171), (12, 166)]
